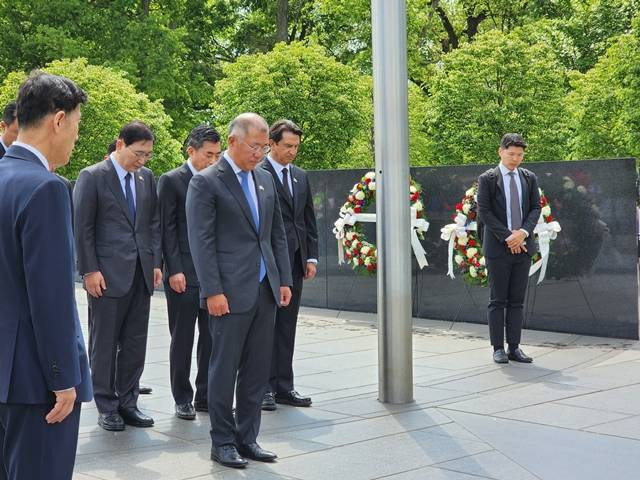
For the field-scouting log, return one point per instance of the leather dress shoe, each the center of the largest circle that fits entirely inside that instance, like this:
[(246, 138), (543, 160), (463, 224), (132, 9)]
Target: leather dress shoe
[(269, 402), (112, 422), (134, 417), (519, 356), (256, 452), (200, 406), (228, 456), (185, 411), (293, 398), (500, 356), (145, 390)]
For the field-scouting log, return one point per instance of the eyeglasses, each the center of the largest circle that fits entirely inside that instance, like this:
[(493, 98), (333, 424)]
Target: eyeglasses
[(142, 155), (264, 150)]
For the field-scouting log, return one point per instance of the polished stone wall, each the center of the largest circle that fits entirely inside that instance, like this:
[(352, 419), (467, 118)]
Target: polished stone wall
[(591, 286)]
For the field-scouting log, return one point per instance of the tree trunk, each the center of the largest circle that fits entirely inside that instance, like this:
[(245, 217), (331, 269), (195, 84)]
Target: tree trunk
[(282, 21)]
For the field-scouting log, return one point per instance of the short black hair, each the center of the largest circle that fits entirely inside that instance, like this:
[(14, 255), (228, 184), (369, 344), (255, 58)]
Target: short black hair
[(277, 129), (42, 93), (9, 114), (512, 140), (111, 147), (136, 131), (200, 134)]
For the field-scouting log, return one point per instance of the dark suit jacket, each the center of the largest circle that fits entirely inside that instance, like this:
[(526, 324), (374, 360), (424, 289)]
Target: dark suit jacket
[(224, 242), (106, 237), (41, 344), (299, 218), (492, 210), (172, 196), (2, 151)]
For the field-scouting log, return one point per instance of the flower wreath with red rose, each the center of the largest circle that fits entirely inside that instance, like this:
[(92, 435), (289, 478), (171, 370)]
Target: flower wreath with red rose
[(465, 248), (353, 247)]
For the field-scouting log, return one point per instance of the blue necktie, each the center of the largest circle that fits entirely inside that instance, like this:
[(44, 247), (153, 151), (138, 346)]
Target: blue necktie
[(254, 213), (129, 196)]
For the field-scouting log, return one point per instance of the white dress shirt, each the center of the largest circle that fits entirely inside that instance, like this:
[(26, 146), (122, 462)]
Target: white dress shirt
[(506, 182), (237, 170), (121, 174), (35, 151), (194, 172)]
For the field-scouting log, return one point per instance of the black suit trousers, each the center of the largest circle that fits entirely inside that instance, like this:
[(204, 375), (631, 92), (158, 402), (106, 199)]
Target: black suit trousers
[(118, 344), (284, 338), (508, 278), (184, 310), (32, 449), (240, 361)]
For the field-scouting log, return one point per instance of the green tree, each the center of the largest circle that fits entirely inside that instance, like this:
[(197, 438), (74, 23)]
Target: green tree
[(329, 101), (497, 84), (605, 104), (113, 101)]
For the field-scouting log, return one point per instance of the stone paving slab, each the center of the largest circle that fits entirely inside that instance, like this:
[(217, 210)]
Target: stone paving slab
[(573, 414)]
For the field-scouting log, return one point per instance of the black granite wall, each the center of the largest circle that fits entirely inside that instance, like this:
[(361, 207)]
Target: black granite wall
[(591, 286)]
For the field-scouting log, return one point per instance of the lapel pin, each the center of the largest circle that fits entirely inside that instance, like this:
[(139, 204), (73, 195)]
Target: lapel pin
[(260, 187), (140, 178), (295, 179)]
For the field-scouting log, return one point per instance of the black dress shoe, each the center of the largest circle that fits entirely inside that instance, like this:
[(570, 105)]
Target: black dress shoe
[(518, 356), (500, 356), (185, 411), (145, 390), (112, 422), (293, 398), (256, 452), (134, 417), (200, 406), (228, 456), (269, 402)]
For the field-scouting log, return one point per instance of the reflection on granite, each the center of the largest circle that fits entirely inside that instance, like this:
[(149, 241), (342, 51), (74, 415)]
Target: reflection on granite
[(591, 287)]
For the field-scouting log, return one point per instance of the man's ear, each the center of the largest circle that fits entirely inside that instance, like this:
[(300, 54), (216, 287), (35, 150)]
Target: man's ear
[(58, 120)]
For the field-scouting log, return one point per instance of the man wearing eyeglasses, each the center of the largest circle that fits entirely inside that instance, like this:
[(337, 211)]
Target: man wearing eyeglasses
[(239, 249), (118, 243), (181, 285)]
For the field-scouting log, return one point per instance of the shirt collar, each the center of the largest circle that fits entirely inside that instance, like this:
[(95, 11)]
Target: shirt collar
[(277, 166), (236, 168), (194, 172), (505, 171), (119, 170), (35, 151)]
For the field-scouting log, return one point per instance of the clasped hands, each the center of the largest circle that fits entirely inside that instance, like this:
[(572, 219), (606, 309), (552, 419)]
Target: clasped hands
[(219, 306), (516, 242)]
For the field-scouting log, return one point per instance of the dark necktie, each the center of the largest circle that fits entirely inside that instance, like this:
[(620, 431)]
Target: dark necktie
[(285, 182), (516, 214), (254, 213), (129, 196)]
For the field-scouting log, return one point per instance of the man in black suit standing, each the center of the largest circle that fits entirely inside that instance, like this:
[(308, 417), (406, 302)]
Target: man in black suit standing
[(296, 205), (118, 241), (239, 250), (181, 286), (9, 127), (509, 208), (44, 373)]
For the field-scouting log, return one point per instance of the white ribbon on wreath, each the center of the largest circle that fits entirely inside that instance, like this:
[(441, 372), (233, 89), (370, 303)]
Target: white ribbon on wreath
[(418, 225), (546, 232), (450, 232)]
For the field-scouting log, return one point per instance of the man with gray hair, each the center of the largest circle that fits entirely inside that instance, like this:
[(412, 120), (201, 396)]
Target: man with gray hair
[(239, 251)]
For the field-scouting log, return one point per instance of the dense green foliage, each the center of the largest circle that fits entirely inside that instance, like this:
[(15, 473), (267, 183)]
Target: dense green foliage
[(563, 72)]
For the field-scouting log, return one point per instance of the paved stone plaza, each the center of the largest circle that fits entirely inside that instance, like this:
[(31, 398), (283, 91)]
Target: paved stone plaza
[(573, 414)]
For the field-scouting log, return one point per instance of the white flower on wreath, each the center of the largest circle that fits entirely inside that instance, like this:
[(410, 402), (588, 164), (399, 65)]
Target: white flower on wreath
[(465, 208), (546, 210), (462, 240), (370, 175), (372, 186), (413, 189), (355, 188), (459, 259), (365, 250), (471, 252), (473, 272), (359, 195), (350, 235), (469, 192), (418, 206), (482, 261), (368, 261)]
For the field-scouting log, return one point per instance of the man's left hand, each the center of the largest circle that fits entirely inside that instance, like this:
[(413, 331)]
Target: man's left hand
[(311, 271), (285, 296), (157, 277), (516, 239)]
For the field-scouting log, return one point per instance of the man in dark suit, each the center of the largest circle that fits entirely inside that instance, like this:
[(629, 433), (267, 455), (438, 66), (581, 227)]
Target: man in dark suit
[(296, 205), (509, 208), (239, 250), (44, 373), (118, 242), (9, 127), (181, 286)]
